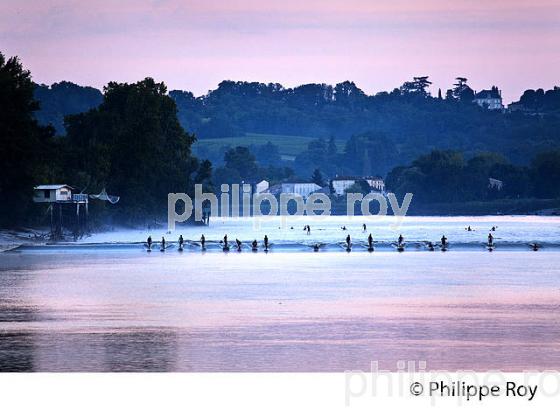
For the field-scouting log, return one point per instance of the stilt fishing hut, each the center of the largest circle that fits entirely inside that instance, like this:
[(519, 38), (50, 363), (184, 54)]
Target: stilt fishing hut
[(62, 200)]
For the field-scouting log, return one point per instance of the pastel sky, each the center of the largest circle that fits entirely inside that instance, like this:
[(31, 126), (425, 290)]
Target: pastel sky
[(195, 44)]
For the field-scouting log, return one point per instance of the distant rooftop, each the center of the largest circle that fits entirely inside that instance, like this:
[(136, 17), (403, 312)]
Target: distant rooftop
[(49, 187), (484, 94), (298, 181), (355, 178), (253, 181)]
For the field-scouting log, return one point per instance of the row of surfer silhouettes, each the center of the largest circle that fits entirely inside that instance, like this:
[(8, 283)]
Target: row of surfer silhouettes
[(225, 244), (400, 244)]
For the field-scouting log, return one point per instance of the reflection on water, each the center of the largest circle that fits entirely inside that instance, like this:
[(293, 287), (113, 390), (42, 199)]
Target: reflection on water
[(133, 311)]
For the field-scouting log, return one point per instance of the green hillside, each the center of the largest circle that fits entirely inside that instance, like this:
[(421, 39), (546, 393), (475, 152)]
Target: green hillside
[(289, 145)]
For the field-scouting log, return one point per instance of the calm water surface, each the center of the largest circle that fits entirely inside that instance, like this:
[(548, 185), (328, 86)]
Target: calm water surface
[(129, 310)]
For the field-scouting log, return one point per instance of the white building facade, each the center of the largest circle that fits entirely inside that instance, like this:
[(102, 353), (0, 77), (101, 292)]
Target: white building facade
[(342, 183), (300, 188), (490, 99), (261, 186)]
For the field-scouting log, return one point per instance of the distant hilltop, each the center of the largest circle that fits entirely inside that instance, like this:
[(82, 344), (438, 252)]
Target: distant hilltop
[(396, 126), (196, 113)]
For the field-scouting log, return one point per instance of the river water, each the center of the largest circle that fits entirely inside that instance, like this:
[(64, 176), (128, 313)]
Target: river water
[(108, 305)]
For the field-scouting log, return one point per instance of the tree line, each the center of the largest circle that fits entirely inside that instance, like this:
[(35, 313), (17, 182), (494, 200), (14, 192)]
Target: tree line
[(447, 176), (388, 128), (135, 140), (131, 144)]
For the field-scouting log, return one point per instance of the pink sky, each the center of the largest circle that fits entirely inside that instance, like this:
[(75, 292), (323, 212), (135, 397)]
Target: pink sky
[(193, 45)]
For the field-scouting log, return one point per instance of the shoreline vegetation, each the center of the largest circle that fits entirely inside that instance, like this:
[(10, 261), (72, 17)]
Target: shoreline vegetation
[(524, 206), (137, 141)]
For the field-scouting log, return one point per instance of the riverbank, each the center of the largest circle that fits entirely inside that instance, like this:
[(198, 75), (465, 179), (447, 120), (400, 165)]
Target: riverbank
[(458, 217), (10, 239), (529, 206)]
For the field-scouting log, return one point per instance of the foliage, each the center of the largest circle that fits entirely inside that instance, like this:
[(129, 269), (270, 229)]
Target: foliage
[(317, 177), (406, 122), (545, 170), (134, 146), (445, 177), (25, 146), (267, 154), (240, 165), (241, 160), (359, 187), (131, 141), (541, 101), (62, 99), (461, 91)]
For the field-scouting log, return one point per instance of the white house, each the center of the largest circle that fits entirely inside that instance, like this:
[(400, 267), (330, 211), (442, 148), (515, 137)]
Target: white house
[(52, 193), (376, 183), (496, 184), (342, 183), (490, 99), (256, 186), (261, 186), (300, 188)]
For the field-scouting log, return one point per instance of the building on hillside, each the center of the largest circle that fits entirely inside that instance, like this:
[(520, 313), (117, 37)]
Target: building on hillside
[(257, 186), (376, 183), (490, 99), (325, 191), (261, 186), (274, 189), (496, 184), (302, 188), (341, 183)]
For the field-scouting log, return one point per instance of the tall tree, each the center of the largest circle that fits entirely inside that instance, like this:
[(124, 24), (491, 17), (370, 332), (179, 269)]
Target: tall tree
[(267, 154), (62, 99), (133, 145), (419, 86), (25, 146), (545, 169), (241, 160), (462, 91), (317, 177), (204, 176), (332, 150)]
